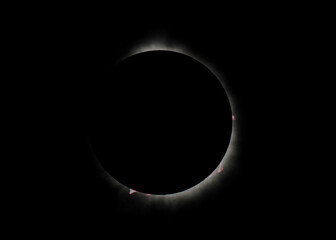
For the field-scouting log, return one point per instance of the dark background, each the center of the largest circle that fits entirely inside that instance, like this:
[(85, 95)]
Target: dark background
[(66, 54)]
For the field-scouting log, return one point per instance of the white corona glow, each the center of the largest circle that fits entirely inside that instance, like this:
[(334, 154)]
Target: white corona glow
[(155, 44), (224, 167)]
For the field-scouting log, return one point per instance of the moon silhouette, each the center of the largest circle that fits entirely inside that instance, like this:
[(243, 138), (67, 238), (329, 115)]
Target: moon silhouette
[(161, 123)]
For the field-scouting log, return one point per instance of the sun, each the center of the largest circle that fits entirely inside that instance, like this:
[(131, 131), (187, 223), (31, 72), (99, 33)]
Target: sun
[(219, 174)]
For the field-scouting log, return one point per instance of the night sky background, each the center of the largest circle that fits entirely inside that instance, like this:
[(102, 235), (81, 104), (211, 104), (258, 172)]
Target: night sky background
[(67, 55)]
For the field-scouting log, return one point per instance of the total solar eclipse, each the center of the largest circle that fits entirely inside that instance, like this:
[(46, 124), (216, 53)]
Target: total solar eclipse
[(162, 122)]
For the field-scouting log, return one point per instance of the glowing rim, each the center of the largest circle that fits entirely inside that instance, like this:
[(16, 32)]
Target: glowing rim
[(224, 166)]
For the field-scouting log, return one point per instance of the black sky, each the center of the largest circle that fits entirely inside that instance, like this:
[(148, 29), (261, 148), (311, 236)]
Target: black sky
[(72, 56)]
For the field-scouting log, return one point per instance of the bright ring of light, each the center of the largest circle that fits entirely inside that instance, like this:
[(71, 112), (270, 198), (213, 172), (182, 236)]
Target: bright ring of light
[(223, 168)]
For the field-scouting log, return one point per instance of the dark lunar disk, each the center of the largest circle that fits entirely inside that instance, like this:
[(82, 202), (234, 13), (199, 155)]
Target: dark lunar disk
[(160, 122)]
